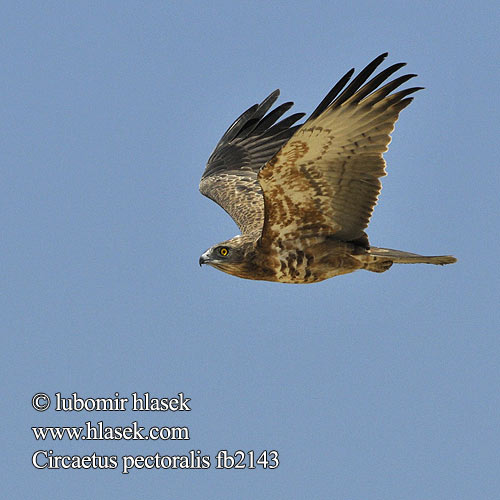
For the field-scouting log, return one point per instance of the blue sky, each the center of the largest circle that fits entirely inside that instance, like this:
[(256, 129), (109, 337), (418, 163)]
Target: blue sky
[(369, 386)]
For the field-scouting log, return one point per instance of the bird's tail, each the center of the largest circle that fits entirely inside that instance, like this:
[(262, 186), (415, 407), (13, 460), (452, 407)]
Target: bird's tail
[(399, 257)]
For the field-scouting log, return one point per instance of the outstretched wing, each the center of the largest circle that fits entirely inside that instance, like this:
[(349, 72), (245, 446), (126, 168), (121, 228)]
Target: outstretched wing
[(230, 177), (325, 180)]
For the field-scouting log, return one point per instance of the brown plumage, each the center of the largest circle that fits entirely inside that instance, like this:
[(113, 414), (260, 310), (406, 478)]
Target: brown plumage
[(303, 195)]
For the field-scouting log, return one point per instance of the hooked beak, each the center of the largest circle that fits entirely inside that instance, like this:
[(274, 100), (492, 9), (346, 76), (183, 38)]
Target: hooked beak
[(204, 259)]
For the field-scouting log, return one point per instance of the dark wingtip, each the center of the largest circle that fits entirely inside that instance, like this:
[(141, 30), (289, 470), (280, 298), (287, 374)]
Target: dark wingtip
[(273, 95), (380, 58)]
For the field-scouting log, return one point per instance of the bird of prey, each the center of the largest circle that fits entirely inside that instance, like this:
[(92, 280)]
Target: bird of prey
[(302, 195)]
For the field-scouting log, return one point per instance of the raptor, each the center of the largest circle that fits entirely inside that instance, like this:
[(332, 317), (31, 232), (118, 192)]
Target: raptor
[(303, 194)]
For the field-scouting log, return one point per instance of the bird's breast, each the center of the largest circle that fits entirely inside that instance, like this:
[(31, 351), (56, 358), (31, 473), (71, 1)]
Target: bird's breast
[(313, 259)]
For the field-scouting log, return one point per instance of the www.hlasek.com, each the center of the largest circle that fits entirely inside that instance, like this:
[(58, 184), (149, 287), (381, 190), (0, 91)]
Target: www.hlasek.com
[(101, 432), (98, 431)]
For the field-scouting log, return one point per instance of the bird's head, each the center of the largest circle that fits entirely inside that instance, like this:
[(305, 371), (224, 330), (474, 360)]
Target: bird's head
[(231, 256)]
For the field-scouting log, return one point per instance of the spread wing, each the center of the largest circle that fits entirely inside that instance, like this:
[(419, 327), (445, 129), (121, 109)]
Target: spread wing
[(230, 177), (325, 180)]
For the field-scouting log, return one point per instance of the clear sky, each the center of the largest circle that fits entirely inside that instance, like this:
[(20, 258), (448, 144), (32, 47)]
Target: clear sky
[(370, 387)]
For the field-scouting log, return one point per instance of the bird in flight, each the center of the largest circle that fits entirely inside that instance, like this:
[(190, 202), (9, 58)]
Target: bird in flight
[(302, 195)]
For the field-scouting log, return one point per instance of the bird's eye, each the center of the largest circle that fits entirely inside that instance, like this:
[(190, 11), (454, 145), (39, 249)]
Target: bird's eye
[(223, 251)]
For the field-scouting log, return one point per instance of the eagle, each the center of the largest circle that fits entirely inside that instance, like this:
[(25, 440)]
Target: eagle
[(303, 194)]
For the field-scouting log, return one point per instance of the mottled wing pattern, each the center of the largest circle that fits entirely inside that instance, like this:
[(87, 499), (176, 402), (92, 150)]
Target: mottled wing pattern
[(325, 180), (230, 177)]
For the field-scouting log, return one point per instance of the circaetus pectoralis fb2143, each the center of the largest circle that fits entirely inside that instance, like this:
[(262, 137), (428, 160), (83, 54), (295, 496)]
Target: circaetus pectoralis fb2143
[(302, 195)]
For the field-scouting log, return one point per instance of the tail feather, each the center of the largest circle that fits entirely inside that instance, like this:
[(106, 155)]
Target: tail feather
[(399, 257)]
